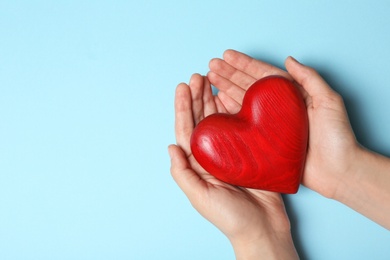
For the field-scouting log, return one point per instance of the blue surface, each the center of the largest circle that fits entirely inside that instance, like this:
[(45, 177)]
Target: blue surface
[(86, 114)]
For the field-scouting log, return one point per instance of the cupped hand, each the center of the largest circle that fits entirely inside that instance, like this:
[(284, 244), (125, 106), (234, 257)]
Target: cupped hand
[(245, 216), (332, 145)]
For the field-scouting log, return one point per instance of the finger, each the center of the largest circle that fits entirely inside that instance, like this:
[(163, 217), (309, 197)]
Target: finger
[(254, 68), (227, 72), (308, 78), (234, 91), (229, 103), (306, 97), (187, 179), (220, 107), (209, 106), (184, 122), (196, 86), (302, 90)]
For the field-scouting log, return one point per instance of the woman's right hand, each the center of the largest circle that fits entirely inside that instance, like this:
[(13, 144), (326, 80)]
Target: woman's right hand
[(336, 165)]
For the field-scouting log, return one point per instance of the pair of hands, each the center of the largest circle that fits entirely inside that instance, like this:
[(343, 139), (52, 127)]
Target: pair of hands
[(252, 218)]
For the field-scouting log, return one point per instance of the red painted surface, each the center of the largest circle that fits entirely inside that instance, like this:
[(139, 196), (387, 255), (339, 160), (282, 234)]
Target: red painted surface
[(264, 145)]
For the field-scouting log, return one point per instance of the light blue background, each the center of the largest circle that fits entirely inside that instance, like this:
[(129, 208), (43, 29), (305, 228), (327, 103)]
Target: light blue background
[(86, 115)]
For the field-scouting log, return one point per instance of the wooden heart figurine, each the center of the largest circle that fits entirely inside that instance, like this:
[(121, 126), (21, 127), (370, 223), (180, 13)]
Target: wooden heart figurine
[(264, 145)]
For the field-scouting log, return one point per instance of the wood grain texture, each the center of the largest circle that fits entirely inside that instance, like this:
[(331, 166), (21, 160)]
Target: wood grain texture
[(264, 145)]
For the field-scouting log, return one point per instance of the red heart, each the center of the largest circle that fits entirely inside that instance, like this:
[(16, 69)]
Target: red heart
[(264, 145)]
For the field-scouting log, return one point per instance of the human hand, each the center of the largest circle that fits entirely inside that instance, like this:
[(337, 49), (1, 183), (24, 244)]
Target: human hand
[(332, 148), (254, 221)]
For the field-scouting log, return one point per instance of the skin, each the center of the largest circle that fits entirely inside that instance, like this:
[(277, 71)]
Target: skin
[(337, 167), (331, 139), (255, 221)]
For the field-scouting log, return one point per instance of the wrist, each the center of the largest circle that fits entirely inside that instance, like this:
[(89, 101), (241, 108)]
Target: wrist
[(363, 162), (274, 246), (367, 189), (344, 179), (330, 177)]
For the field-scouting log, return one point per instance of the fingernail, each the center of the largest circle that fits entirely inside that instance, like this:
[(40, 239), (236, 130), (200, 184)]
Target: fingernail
[(169, 151), (294, 59)]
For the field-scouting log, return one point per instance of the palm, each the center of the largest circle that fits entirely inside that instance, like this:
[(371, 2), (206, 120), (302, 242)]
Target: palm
[(234, 74), (330, 133), (232, 209)]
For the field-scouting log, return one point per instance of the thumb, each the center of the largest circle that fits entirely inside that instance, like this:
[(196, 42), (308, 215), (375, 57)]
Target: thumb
[(308, 78), (187, 179)]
